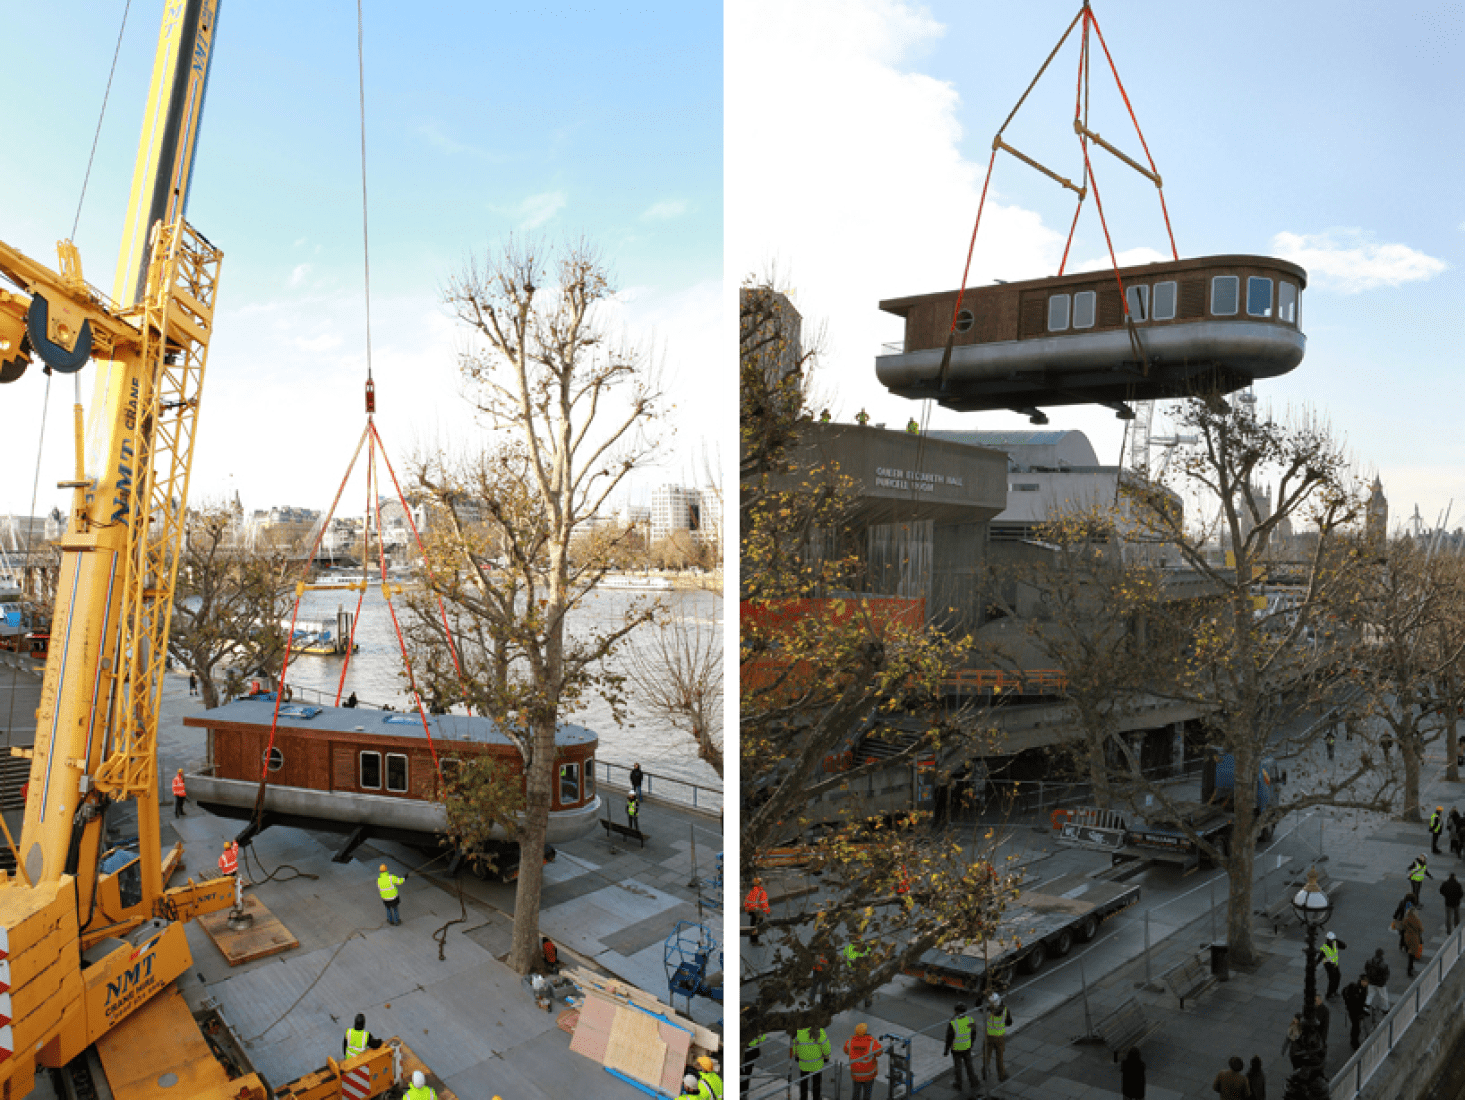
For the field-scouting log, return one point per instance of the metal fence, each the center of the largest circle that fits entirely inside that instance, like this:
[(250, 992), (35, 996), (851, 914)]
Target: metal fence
[(1356, 1072)]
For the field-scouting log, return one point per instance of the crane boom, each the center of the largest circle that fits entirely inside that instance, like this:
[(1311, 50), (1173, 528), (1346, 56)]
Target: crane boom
[(78, 954)]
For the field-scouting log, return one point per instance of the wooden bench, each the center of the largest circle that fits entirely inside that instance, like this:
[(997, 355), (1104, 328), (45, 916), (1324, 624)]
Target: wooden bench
[(1125, 1027), (1190, 979), (614, 827), (1280, 911)]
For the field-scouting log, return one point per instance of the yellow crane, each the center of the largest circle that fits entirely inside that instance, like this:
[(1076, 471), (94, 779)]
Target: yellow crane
[(84, 954)]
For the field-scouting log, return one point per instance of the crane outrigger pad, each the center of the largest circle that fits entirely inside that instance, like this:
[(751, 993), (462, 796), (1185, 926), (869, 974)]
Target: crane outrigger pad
[(267, 935)]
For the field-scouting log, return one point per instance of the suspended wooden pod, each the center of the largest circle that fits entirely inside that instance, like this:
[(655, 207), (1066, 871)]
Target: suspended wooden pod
[(1200, 327)]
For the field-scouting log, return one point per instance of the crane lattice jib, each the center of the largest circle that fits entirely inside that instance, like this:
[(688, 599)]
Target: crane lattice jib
[(177, 316)]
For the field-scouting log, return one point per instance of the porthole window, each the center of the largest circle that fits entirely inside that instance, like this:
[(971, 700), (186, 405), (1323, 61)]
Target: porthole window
[(965, 320), (569, 784), (1083, 309), (1164, 302), (397, 772), (1258, 296), (276, 759), (1138, 300), (1225, 289), (1058, 313), (1287, 303), (371, 771)]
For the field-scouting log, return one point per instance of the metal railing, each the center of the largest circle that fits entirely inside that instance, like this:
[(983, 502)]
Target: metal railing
[(1356, 1072), (1039, 796), (683, 792)]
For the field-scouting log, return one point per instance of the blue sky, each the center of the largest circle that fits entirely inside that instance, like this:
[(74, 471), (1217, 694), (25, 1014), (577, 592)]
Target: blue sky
[(481, 120), (1326, 132)]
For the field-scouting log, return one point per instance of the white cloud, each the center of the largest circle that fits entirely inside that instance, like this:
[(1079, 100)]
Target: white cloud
[(1131, 257), (666, 210), (1347, 260), (845, 171), (538, 209), (297, 275)]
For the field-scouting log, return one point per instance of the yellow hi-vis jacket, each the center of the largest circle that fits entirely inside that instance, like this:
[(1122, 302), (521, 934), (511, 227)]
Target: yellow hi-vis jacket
[(387, 884), (356, 1041)]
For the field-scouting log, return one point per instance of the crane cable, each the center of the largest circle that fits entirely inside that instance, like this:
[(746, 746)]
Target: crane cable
[(103, 114), (365, 234)]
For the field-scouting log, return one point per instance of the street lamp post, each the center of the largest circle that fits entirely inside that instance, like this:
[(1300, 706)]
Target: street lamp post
[(1309, 1052)]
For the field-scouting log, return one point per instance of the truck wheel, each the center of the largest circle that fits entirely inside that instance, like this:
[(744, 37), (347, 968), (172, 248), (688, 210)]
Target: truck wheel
[(1088, 929), (1033, 961), (1063, 943)]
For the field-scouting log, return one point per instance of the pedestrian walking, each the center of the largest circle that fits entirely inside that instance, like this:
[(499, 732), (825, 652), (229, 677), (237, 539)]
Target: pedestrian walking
[(180, 794), (999, 1019), (960, 1030), (862, 1050), (1231, 1083), (1407, 903), (1323, 1016), (1452, 828), (192, 684), (810, 1049), (1436, 827), (1452, 891), (757, 907), (633, 811), (1418, 872), (1132, 1076), (1386, 742), (1256, 1078), (1332, 948), (1377, 972), (1330, 740), (1413, 939), (386, 885), (1355, 1000), (637, 775)]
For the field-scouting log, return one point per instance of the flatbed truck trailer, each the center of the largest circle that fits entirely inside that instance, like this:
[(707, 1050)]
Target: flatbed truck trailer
[(1043, 923)]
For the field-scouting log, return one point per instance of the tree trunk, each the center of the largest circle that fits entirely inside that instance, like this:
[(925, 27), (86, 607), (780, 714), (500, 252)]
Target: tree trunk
[(1099, 772), (1409, 752), (206, 689), (1242, 859), (537, 791)]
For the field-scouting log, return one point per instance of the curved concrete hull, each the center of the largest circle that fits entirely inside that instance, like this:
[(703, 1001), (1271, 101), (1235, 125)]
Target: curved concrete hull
[(1189, 359), (405, 815)]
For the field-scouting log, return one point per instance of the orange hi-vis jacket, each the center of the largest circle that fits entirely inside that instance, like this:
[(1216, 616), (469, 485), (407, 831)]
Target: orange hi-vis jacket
[(863, 1050), (229, 861), (178, 788), (756, 901)]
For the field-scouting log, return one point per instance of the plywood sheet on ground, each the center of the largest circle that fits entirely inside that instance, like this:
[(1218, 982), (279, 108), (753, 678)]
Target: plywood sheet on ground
[(159, 1052), (592, 1030), (678, 1043), (635, 1047), (266, 936)]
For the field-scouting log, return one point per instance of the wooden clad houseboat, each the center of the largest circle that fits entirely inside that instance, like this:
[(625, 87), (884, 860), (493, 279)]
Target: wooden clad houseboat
[(1203, 326), (367, 773)]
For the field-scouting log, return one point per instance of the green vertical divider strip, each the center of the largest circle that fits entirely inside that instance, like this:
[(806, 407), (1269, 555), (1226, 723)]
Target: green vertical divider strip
[(731, 1046)]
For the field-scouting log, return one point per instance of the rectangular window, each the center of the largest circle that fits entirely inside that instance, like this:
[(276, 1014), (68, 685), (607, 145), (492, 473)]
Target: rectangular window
[(1138, 300), (1025, 487), (1258, 296), (1164, 302), (569, 784), (371, 771), (1058, 313), (397, 772), (1287, 303), (1083, 309), (1225, 289), (590, 778)]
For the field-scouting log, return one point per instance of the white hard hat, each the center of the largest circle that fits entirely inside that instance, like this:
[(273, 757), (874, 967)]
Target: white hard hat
[(690, 1081), (994, 1000), (1332, 935), (417, 1079)]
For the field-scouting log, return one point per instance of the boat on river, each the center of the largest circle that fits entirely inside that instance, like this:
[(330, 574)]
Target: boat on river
[(369, 773)]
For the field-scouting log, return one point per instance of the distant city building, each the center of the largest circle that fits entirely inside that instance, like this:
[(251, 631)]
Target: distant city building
[(777, 346), (1376, 517), (676, 508), (284, 526)]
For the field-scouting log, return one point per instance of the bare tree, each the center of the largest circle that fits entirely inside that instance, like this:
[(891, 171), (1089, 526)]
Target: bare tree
[(228, 602), (570, 409), (676, 677)]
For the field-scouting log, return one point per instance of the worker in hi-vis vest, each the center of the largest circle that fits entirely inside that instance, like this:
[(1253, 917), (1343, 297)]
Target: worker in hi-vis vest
[(358, 1040), (999, 1019), (420, 1089), (810, 1049), (180, 794), (386, 884), (229, 861)]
